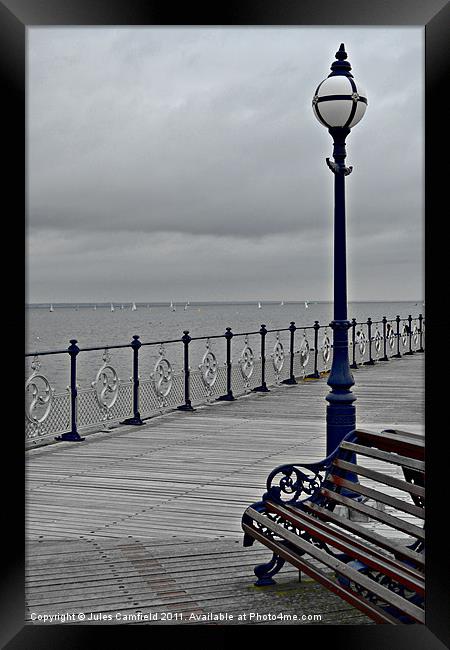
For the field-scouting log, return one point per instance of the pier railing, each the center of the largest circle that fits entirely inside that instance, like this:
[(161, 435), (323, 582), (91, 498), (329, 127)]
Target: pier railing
[(185, 372)]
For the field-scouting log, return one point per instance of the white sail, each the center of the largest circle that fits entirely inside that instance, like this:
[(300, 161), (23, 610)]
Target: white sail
[(112, 307), (133, 308), (306, 305), (259, 305), (282, 303), (51, 308)]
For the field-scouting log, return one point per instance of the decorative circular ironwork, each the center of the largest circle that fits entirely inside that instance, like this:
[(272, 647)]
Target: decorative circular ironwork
[(162, 376), (361, 342), (38, 387), (404, 335), (106, 385), (377, 340), (326, 348), (304, 352), (246, 361), (208, 367), (391, 337), (278, 355), (291, 480)]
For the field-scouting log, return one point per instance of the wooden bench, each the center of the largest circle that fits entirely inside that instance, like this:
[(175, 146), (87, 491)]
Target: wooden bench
[(364, 562)]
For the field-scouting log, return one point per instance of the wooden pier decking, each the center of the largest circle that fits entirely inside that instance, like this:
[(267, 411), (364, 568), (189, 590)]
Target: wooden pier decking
[(147, 519)]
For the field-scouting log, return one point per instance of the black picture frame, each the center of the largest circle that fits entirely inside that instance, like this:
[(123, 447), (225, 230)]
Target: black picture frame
[(15, 17)]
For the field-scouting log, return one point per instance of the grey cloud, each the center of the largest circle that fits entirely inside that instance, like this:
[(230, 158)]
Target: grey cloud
[(171, 134)]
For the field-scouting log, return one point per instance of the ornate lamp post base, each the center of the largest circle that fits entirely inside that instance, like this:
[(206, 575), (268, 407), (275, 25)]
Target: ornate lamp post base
[(341, 412)]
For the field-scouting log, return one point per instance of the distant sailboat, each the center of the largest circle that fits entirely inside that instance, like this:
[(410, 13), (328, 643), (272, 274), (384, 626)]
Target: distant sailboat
[(133, 308), (112, 307), (121, 306), (51, 308), (259, 305), (306, 305), (282, 303), (95, 307), (172, 306), (186, 306)]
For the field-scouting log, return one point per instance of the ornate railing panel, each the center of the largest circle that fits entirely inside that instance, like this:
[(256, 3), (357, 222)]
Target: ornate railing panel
[(326, 350), (196, 371)]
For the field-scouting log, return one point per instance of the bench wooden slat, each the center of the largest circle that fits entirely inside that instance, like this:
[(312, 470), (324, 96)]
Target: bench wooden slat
[(394, 522), (399, 444), (366, 533), (380, 477), (408, 434), (353, 548), (404, 461), (375, 612), (398, 504), (352, 574)]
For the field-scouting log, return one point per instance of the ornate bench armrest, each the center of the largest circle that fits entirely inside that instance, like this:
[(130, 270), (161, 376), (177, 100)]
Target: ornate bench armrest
[(286, 483)]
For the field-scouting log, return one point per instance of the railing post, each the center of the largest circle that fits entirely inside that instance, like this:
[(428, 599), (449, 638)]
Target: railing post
[(398, 355), (420, 334), (228, 397), (291, 379), (315, 374), (187, 406), (410, 351), (263, 388), (136, 419), (385, 358), (370, 362), (72, 435), (354, 364)]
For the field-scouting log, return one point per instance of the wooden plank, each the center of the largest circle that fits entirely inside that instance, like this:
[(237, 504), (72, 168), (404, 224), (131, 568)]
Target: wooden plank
[(394, 522), (412, 447), (380, 477), (370, 535), (378, 496), (375, 612), (385, 456), (336, 565), (343, 542)]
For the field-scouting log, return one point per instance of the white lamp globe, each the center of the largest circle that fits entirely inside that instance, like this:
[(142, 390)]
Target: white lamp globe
[(339, 102)]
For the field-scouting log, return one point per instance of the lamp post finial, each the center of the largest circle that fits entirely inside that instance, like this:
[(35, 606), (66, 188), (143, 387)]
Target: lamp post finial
[(341, 66)]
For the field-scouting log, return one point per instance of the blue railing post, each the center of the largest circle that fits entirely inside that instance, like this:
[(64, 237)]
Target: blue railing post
[(136, 419), (398, 355), (72, 435), (291, 379), (228, 397), (385, 358), (370, 362), (187, 406), (354, 364), (315, 374), (263, 388), (410, 351), (420, 334)]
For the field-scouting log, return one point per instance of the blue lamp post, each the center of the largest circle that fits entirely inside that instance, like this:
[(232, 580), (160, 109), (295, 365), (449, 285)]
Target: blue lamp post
[(339, 103)]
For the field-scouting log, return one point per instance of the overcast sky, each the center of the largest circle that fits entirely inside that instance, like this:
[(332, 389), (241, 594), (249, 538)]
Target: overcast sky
[(186, 163)]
